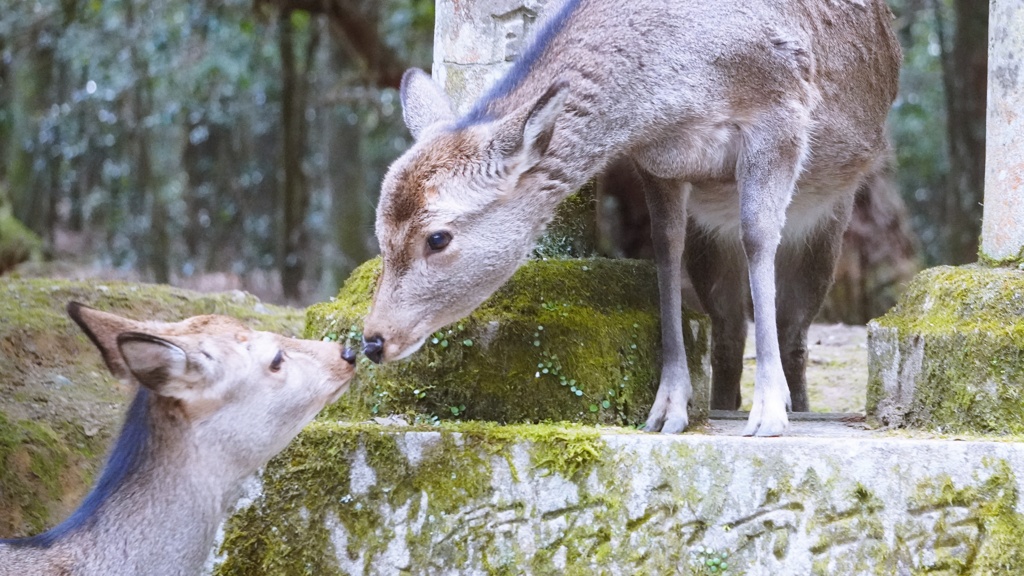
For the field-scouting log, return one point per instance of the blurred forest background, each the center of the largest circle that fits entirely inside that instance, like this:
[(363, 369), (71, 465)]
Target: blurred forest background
[(241, 144)]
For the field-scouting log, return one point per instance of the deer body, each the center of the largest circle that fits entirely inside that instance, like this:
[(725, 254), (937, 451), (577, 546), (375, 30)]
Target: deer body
[(754, 120), (215, 402)]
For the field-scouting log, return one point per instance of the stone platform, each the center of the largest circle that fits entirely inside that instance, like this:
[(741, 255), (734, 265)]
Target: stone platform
[(475, 498)]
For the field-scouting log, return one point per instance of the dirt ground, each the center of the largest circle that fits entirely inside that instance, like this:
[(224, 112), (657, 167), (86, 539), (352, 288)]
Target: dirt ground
[(837, 368)]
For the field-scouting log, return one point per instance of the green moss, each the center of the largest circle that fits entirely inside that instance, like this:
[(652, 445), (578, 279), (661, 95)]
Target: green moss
[(1016, 261), (574, 340), (310, 486), (572, 232), (442, 501), (968, 321), (17, 243), (59, 407), (989, 506)]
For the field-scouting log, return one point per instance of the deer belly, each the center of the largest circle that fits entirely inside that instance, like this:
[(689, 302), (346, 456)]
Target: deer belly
[(716, 207)]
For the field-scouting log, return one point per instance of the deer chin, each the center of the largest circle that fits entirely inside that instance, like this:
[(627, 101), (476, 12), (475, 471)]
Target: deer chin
[(403, 353), (336, 394)]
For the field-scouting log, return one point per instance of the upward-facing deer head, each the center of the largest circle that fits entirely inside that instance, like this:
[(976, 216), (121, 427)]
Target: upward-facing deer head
[(215, 402), (459, 212)]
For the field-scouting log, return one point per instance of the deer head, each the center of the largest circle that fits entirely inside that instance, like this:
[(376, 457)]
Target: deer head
[(243, 394), (458, 213)]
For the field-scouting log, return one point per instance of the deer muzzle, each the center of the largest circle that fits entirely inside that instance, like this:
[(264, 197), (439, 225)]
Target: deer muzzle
[(373, 347)]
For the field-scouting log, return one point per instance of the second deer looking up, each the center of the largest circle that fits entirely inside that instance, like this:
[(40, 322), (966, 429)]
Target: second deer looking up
[(215, 402), (751, 124)]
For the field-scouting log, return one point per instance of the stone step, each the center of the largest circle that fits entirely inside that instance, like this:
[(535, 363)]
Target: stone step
[(565, 339), (831, 498)]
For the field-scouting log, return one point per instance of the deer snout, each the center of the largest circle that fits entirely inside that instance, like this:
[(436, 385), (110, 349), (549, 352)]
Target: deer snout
[(348, 355), (373, 347)]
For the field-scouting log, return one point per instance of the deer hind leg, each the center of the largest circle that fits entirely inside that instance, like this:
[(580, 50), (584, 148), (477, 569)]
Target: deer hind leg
[(718, 272), (767, 171), (805, 269), (666, 200)]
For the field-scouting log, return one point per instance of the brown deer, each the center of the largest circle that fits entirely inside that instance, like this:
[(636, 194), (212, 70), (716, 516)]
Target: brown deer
[(752, 120), (215, 402)]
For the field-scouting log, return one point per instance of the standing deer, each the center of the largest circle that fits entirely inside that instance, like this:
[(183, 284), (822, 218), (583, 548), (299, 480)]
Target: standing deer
[(215, 402), (754, 120)]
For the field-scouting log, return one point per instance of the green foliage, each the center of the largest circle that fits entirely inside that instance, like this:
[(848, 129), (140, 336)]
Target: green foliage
[(918, 123), (155, 127)]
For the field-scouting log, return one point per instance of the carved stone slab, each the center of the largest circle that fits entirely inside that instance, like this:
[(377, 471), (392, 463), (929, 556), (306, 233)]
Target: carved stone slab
[(551, 500)]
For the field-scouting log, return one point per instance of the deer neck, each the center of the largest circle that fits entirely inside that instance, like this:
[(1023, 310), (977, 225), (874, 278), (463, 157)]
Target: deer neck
[(173, 490), (591, 131), (156, 484)]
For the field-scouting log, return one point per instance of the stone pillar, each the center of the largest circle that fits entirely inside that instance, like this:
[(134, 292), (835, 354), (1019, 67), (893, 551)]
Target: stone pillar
[(948, 355), (475, 43), (1002, 231)]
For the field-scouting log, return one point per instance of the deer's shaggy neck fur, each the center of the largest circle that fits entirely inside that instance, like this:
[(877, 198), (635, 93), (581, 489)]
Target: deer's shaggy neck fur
[(137, 494)]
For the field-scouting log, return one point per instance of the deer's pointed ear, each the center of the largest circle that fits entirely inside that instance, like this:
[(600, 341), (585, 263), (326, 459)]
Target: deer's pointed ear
[(424, 104), (155, 363), (102, 329), (540, 124), (524, 136)]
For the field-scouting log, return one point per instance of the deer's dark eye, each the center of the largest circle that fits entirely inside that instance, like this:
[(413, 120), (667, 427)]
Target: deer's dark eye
[(275, 364), (439, 240)]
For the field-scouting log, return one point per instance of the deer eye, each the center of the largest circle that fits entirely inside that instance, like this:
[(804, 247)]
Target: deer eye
[(275, 364), (439, 240)]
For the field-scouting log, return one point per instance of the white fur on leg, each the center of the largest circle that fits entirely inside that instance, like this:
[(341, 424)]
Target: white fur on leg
[(771, 401), (669, 415)]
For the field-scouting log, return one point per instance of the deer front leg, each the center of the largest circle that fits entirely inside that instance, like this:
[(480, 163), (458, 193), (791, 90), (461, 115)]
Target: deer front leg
[(666, 200), (766, 175)]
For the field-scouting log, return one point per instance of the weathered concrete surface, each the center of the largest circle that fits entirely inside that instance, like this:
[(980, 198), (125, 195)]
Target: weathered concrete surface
[(950, 355), (476, 42), (479, 499), (573, 340), (1002, 231)]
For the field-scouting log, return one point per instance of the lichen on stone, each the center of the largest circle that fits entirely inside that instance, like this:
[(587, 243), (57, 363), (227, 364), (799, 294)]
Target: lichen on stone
[(949, 356), (338, 475)]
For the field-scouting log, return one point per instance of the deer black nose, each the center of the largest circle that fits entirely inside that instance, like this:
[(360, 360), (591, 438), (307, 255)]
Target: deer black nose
[(374, 348), (348, 355)]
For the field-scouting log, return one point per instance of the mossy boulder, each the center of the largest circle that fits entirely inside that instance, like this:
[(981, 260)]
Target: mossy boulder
[(59, 407), (950, 355), (17, 243), (570, 340)]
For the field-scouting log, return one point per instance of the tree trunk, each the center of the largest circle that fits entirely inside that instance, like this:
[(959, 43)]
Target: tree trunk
[(350, 211), (295, 128), (965, 74)]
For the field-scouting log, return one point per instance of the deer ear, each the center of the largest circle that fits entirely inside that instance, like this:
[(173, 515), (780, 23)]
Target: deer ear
[(424, 104), (155, 363), (540, 124), (524, 136), (102, 329)]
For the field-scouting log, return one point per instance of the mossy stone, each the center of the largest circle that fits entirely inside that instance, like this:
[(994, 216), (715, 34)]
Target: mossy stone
[(17, 243), (950, 355), (564, 340), (59, 406), (572, 233), (483, 498)]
